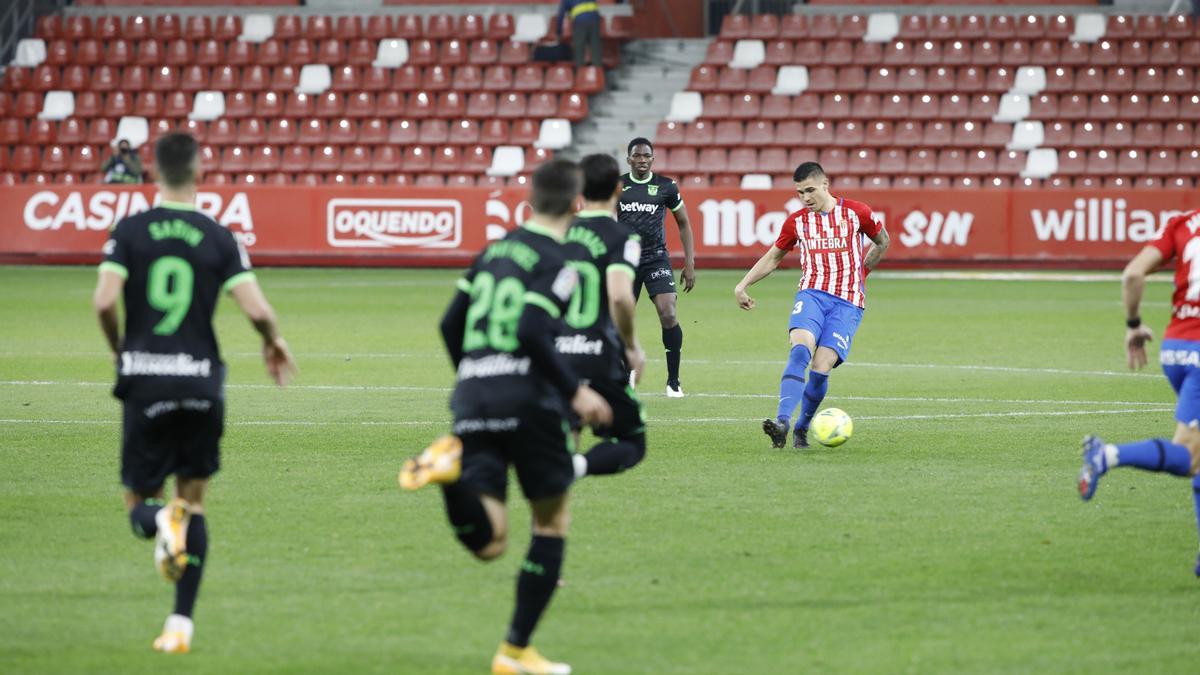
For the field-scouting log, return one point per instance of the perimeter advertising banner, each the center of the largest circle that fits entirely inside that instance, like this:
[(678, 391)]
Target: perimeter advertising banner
[(446, 227)]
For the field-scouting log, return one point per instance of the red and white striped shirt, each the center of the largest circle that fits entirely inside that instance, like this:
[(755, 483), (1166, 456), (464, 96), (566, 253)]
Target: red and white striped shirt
[(832, 247), (1180, 240)]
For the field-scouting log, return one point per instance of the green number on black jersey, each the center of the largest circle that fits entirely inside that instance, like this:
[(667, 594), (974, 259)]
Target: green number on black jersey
[(585, 301), (169, 290), (501, 303)]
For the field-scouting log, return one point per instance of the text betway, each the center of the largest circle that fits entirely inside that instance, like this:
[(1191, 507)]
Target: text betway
[(638, 207), (1097, 219), (496, 365), (51, 210), (174, 365), (394, 223)]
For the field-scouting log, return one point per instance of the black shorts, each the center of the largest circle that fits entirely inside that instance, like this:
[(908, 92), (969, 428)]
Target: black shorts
[(655, 274), (629, 417), (160, 438), (538, 444)]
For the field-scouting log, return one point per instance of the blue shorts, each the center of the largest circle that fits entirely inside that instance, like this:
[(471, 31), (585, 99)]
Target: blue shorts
[(832, 320), (1180, 361)]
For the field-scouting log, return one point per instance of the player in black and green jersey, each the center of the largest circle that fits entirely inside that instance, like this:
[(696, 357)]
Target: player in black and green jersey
[(645, 200), (600, 342), (511, 399), (170, 265)]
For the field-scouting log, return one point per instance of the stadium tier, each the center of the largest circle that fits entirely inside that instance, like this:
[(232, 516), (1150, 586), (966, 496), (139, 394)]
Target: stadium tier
[(882, 99), (888, 101), (366, 100)]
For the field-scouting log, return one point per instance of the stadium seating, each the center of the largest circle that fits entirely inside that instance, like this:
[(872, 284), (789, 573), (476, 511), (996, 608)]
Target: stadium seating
[(943, 99), (307, 98)]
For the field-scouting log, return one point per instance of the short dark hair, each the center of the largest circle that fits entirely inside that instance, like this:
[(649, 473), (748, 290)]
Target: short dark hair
[(600, 177), (639, 141), (555, 185), (807, 170), (174, 155)]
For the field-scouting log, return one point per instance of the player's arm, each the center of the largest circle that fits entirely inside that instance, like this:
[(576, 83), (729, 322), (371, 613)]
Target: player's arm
[(1133, 283), (881, 241), (253, 303), (454, 322), (768, 263), (622, 307), (108, 291), (688, 276)]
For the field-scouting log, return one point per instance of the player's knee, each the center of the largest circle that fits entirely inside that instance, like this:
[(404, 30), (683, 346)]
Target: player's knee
[(667, 318), (491, 550), (639, 445)]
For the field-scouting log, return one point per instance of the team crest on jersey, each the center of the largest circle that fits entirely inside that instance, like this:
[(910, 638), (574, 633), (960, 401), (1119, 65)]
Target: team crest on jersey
[(651, 190)]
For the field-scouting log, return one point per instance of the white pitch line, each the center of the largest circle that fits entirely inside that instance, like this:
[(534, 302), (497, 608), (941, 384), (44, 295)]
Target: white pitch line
[(1099, 277), (385, 387), (687, 420)]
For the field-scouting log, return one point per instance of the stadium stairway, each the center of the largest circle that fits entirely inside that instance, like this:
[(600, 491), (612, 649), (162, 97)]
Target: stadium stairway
[(638, 96)]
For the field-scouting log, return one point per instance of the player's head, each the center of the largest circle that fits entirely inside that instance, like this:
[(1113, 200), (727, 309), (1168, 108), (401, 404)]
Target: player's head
[(812, 185), (177, 156), (601, 177), (641, 155), (554, 187)]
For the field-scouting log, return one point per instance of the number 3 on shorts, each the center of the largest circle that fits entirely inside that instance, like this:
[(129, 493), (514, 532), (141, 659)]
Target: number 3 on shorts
[(799, 306)]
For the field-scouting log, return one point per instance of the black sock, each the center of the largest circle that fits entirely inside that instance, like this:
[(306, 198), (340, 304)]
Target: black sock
[(189, 584), (467, 515), (141, 518), (535, 585), (673, 343), (616, 455)]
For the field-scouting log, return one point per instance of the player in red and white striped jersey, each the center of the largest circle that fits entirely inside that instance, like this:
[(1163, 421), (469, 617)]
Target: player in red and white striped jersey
[(1179, 242), (829, 303)]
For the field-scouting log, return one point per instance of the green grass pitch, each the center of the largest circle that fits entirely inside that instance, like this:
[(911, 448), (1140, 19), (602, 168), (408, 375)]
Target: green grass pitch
[(945, 537)]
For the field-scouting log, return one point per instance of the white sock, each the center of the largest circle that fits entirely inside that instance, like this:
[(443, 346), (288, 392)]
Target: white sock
[(178, 623), (580, 463), (1112, 456)]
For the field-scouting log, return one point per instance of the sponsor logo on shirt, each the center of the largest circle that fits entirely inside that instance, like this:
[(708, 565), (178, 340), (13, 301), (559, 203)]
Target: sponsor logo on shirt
[(1179, 357), (578, 344), (394, 223), (496, 365), (638, 207), (173, 365)]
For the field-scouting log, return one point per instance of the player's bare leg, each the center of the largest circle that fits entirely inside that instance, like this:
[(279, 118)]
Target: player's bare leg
[(535, 586), (791, 388), (180, 548), (672, 337)]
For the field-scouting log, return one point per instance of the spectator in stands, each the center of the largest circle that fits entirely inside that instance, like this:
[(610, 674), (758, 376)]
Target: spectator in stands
[(123, 167), (585, 27)]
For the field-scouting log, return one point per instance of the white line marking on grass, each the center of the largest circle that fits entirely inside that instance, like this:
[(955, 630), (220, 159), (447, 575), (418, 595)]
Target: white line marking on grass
[(1104, 277), (386, 387), (686, 420)]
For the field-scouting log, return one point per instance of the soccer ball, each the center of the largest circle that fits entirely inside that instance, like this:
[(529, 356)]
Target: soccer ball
[(832, 427)]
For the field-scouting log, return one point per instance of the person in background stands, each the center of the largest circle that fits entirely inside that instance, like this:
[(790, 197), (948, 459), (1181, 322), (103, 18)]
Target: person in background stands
[(585, 28), (123, 167)]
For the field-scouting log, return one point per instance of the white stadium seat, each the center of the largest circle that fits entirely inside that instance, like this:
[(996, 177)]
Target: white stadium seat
[(791, 80), (1013, 108), (257, 28), (1030, 80), (208, 106), (508, 160), (392, 53), (748, 54), (1041, 163), (686, 106), (555, 134), (315, 78), (756, 181), (59, 105), (136, 130), (1089, 27), (1027, 135), (30, 52), (531, 28), (882, 27)]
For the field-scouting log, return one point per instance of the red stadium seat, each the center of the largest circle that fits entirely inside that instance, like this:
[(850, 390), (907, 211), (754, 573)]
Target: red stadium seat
[(779, 107), (760, 133), (454, 52), (437, 78), (1164, 107), (528, 78), (296, 158), (300, 52), (326, 159), (732, 80), (313, 131), (735, 27), (1043, 107), (84, 160), (288, 27), (483, 52), (956, 53), (985, 53), (898, 53), (402, 132), (330, 52), (542, 105), (222, 131), (1015, 53), (500, 27), (780, 53), (720, 53), (360, 104), (77, 28), (819, 133), (24, 159), (1135, 53), (373, 131), (878, 134), (728, 132)]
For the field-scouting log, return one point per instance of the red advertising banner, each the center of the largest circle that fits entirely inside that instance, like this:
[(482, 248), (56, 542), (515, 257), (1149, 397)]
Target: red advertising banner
[(356, 226)]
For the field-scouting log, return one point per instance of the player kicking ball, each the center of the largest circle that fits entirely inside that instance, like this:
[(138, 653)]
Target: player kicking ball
[(600, 342), (171, 264), (1180, 359), (510, 406), (829, 303)]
